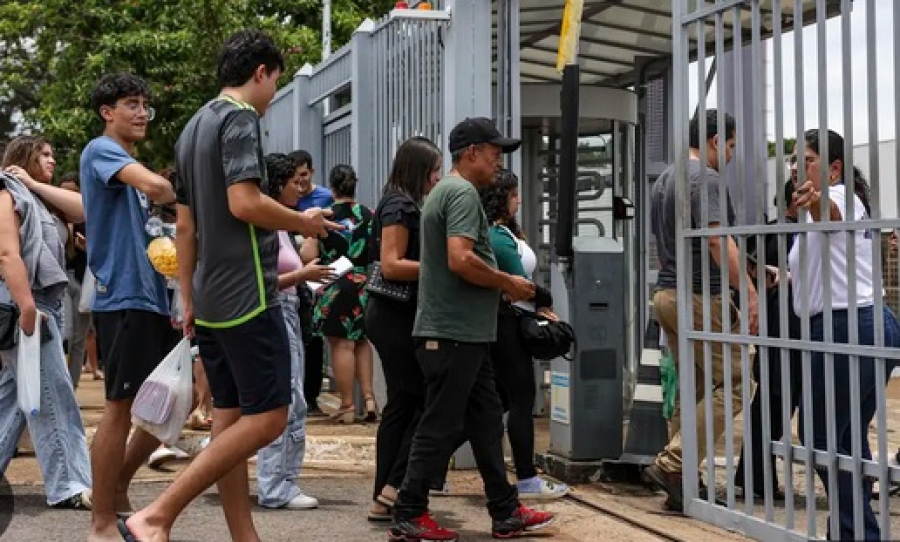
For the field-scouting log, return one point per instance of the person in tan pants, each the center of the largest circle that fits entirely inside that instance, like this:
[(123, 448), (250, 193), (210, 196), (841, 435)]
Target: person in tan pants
[(666, 472)]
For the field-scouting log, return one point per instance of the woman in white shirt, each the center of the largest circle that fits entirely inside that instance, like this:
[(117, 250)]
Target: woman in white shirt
[(808, 299)]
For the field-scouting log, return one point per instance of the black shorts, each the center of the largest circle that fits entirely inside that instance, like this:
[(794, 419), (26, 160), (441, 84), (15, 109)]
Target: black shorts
[(248, 365), (131, 344)]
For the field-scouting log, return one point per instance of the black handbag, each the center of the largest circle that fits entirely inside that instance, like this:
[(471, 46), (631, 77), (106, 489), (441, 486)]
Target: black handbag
[(545, 338), (391, 290), (9, 321)]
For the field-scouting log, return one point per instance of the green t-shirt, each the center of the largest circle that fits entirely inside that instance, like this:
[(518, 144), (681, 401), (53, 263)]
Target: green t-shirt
[(449, 307), (506, 250)]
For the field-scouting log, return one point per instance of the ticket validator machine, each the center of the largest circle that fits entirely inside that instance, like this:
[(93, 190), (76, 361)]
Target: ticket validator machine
[(593, 280)]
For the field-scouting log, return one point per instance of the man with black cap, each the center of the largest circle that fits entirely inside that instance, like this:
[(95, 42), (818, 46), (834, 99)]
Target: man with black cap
[(456, 320)]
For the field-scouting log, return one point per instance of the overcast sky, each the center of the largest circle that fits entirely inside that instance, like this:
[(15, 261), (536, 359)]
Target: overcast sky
[(834, 76)]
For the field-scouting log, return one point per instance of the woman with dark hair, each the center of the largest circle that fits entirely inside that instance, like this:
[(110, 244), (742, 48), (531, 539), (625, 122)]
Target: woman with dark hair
[(829, 248), (278, 464), (33, 269), (512, 361), (389, 322), (338, 314)]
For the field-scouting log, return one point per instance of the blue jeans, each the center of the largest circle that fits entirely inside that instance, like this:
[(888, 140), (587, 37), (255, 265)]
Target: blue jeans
[(278, 464), (843, 408), (57, 432)]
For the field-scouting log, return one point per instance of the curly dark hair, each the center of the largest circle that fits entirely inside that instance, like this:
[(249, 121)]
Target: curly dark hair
[(114, 87), (242, 53), (279, 170), (342, 181), (495, 200)]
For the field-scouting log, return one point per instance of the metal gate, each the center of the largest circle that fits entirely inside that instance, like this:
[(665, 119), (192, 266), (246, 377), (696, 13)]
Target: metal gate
[(826, 91), (361, 103)]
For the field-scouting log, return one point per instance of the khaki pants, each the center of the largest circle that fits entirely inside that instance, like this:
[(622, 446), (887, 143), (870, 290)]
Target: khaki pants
[(666, 312)]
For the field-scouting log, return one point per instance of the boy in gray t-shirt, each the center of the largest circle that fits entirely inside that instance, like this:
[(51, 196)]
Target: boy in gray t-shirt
[(227, 259)]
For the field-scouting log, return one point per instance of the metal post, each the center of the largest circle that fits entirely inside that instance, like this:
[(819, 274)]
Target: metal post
[(310, 132), (362, 127), (467, 64)]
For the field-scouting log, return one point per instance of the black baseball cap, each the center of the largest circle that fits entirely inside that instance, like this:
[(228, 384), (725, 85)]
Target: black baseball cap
[(478, 130)]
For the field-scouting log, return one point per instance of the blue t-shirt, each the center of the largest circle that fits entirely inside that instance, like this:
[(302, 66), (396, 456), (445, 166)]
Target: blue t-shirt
[(116, 215), (319, 197)]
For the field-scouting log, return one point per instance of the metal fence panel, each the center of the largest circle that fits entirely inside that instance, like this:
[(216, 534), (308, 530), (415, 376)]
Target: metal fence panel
[(279, 135), (835, 363)]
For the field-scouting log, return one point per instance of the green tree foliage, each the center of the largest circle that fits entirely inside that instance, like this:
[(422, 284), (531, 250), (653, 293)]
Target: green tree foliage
[(52, 52), (789, 144)]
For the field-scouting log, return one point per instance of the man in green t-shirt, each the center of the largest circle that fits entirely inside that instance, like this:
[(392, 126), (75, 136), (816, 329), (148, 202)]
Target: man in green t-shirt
[(456, 320)]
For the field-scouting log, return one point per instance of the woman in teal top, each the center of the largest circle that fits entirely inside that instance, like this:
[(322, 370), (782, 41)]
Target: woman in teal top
[(512, 361)]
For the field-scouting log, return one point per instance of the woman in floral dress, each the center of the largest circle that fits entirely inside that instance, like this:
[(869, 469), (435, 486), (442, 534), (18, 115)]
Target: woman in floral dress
[(338, 314)]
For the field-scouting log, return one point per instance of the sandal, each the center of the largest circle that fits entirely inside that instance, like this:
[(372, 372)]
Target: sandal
[(344, 415), (371, 409), (199, 422), (379, 512)]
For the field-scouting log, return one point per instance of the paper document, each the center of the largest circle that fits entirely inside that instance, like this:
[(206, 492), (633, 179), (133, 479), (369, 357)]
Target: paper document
[(341, 266)]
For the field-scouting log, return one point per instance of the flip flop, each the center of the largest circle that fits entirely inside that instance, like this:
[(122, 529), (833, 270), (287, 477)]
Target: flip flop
[(387, 515), (379, 517), (125, 531)]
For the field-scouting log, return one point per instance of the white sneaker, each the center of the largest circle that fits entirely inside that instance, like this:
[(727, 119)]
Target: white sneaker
[(302, 502), (164, 455), (542, 490)]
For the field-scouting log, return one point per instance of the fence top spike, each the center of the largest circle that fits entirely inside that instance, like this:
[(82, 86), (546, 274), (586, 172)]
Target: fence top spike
[(367, 25), (306, 69)]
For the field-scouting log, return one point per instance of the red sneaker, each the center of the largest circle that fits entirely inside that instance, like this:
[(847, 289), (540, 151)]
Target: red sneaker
[(420, 529), (522, 520)]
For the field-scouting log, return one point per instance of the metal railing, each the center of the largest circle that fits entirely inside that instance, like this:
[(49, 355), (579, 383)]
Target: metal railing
[(834, 364)]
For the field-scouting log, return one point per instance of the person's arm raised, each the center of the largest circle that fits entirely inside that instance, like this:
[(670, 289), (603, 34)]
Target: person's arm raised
[(156, 187), (248, 204), (66, 201)]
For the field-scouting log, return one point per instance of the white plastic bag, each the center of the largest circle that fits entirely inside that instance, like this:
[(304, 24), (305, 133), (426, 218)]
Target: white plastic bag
[(88, 291), (28, 369), (163, 402)]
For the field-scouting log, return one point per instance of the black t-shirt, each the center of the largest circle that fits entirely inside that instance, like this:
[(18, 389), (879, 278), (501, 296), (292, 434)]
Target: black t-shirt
[(393, 209)]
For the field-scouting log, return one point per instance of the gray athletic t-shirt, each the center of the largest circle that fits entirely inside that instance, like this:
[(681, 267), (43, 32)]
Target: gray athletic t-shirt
[(662, 207), (236, 277)]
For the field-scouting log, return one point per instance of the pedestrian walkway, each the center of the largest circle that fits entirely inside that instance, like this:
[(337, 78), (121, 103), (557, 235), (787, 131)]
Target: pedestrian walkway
[(339, 471)]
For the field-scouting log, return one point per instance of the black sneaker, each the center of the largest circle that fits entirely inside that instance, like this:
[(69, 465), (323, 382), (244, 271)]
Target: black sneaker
[(521, 521), (82, 501), (420, 529)]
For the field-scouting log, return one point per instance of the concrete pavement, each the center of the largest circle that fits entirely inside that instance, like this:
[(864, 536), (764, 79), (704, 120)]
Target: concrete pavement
[(339, 471)]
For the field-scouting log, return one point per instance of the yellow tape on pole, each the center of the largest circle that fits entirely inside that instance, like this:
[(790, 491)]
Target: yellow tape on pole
[(569, 34)]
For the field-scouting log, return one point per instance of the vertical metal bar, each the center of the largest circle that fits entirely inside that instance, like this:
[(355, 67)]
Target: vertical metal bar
[(827, 314), (728, 390), (704, 270), (724, 298), (881, 375), (762, 353), (850, 240), (809, 459), (684, 290), (421, 33), (783, 299)]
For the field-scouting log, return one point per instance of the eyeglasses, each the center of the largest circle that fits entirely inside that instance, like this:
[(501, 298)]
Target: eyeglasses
[(135, 109)]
